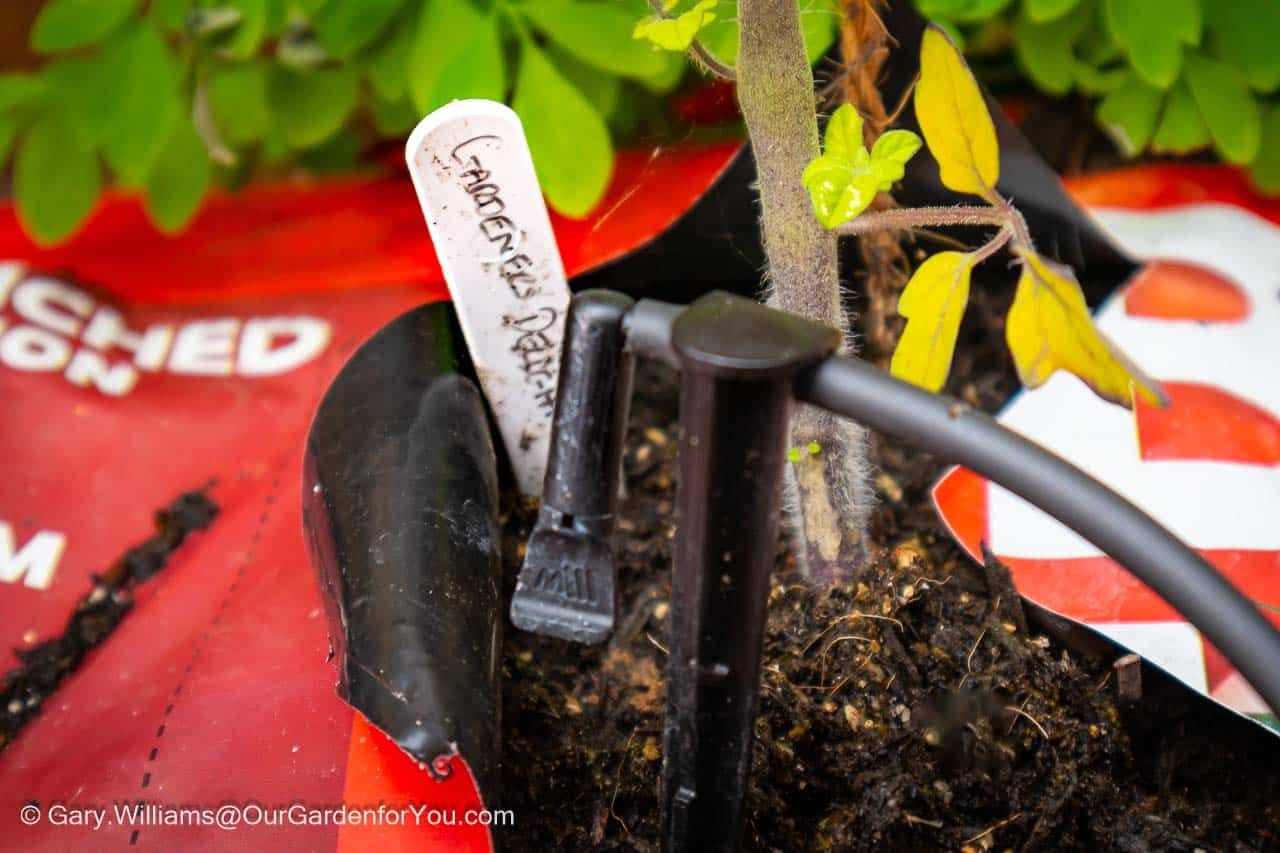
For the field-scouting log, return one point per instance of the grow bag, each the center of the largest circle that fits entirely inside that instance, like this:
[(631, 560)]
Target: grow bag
[(1202, 315), (134, 367)]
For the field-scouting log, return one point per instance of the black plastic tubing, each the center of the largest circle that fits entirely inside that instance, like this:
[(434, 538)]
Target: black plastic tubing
[(958, 433)]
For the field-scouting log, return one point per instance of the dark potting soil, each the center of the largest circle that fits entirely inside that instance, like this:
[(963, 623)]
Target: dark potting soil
[(914, 710)]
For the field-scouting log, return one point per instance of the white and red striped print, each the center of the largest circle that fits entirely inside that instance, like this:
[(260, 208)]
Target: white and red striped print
[(1203, 316)]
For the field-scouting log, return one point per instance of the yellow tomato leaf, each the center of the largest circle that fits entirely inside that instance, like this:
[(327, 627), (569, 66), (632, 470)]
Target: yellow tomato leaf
[(933, 303), (1049, 328), (954, 118)]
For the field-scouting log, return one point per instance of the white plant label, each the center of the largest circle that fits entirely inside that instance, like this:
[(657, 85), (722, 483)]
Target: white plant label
[(474, 176)]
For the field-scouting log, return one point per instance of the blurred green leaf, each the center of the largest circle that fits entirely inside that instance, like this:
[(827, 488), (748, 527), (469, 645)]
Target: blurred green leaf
[(69, 24), (1153, 35), (598, 34), (8, 130), (1098, 81), (345, 26), (1181, 129), (1042, 11), (819, 22), (457, 53), (178, 179), (387, 62), (171, 15), (1046, 50), (18, 88), (309, 108), (55, 180), (1247, 34), (248, 34), (141, 85), (961, 10), (393, 118), (1265, 170), (600, 88), (568, 138), (341, 153), (1128, 114), (79, 92), (238, 98), (1227, 106)]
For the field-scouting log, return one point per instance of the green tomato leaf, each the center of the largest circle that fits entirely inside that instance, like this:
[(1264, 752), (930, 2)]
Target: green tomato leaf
[(179, 178), (345, 26), (1128, 114), (69, 24), (1227, 106), (1181, 129), (568, 138), (679, 32), (387, 63), (1043, 11), (1265, 170), (142, 88), (843, 138), (840, 189), (1246, 32), (1153, 35), (310, 108), (457, 53), (55, 180), (598, 34), (890, 154), (238, 98)]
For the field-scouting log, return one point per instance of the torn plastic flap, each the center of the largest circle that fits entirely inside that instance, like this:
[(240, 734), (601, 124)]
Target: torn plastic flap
[(400, 497)]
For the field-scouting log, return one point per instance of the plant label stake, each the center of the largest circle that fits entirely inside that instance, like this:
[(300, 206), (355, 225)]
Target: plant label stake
[(475, 180)]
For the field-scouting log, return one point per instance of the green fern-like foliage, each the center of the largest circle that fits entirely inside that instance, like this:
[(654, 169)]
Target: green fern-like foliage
[(1168, 76), (166, 97)]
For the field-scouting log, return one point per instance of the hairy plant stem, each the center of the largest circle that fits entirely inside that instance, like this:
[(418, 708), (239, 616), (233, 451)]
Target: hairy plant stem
[(904, 218), (830, 493)]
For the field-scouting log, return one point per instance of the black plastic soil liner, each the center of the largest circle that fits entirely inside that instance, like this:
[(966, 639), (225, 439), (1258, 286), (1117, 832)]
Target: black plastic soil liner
[(400, 501)]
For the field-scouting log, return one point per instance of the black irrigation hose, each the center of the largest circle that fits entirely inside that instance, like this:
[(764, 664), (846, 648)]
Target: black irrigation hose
[(957, 433)]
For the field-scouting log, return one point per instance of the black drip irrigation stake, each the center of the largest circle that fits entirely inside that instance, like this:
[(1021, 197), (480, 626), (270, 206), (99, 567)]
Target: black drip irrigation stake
[(96, 615), (743, 367)]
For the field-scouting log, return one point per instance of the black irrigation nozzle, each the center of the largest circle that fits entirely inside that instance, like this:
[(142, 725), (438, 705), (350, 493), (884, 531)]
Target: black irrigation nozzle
[(743, 367), (566, 585)]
